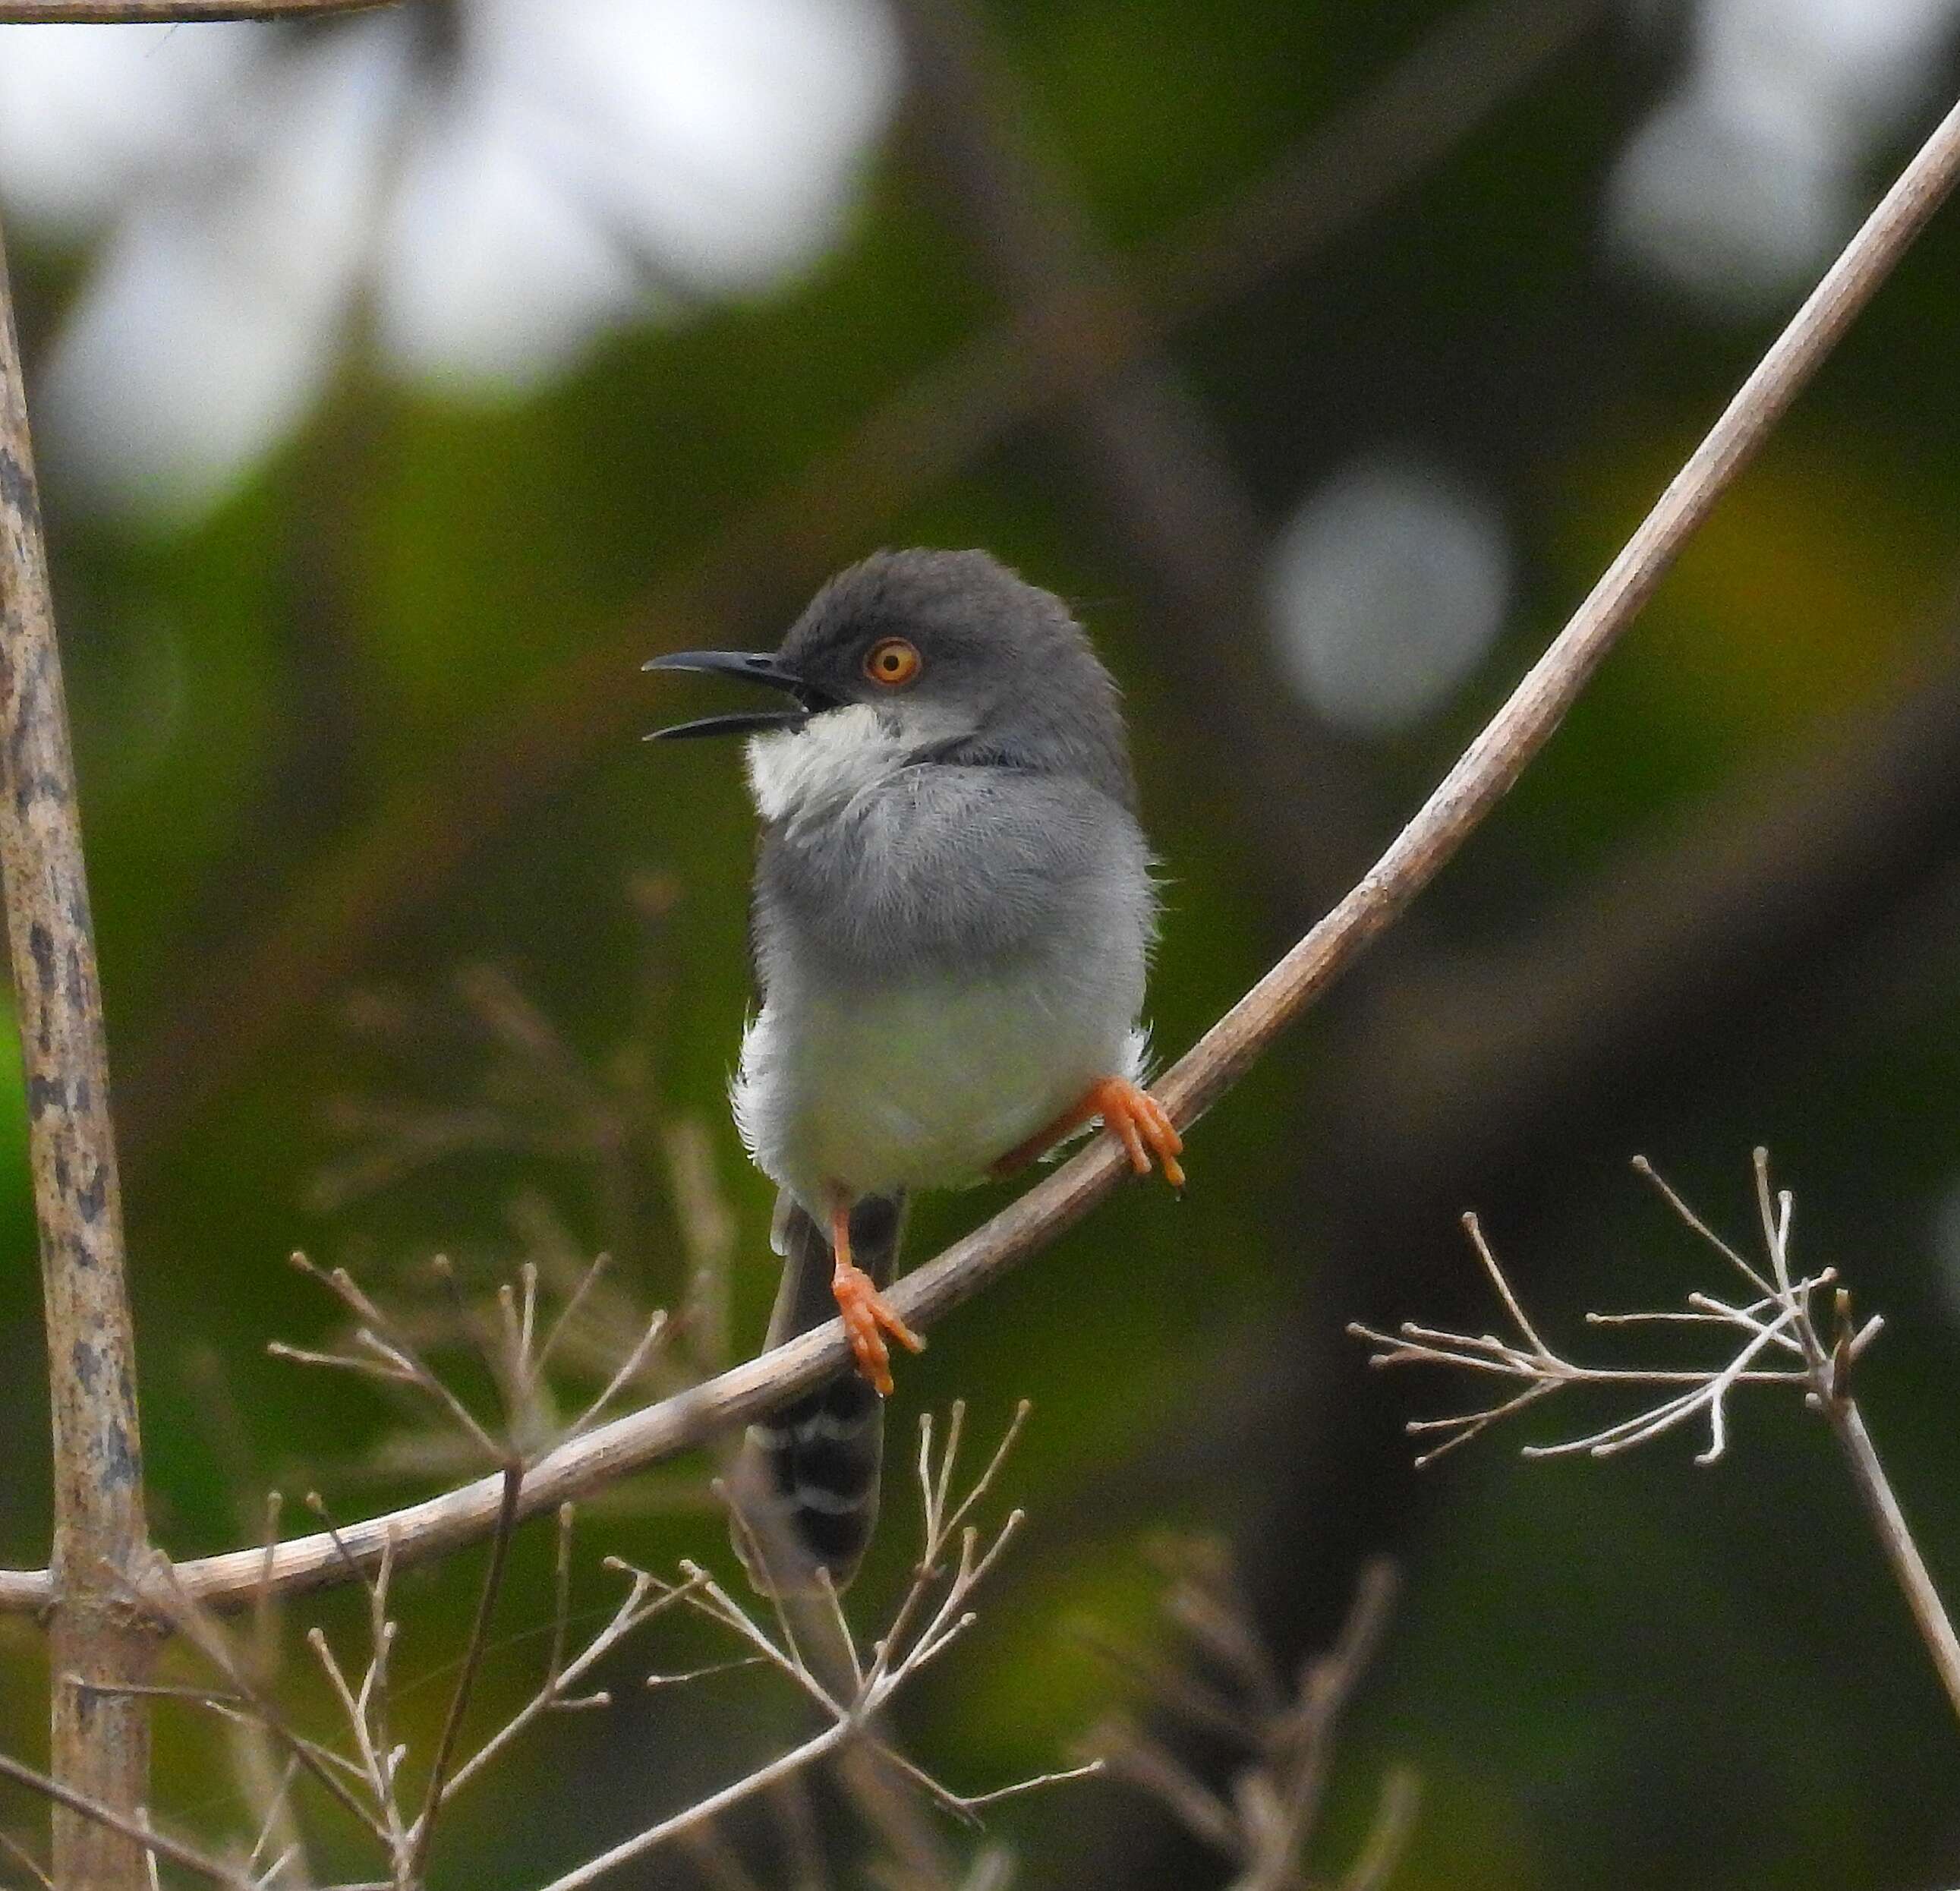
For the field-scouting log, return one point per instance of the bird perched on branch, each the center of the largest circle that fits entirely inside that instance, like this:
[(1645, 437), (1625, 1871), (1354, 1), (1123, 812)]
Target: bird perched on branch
[(952, 913)]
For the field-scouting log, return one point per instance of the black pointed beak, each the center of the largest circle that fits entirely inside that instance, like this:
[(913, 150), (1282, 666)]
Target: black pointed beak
[(748, 665)]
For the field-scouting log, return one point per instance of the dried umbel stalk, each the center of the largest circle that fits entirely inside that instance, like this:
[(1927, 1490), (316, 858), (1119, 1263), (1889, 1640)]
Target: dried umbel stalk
[(1778, 1339), (1775, 1334)]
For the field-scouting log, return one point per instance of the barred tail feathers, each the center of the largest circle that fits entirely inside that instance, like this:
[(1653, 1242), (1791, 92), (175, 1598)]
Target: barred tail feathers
[(807, 1481)]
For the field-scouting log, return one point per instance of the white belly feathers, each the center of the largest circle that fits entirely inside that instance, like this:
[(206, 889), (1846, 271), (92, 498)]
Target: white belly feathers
[(926, 1085)]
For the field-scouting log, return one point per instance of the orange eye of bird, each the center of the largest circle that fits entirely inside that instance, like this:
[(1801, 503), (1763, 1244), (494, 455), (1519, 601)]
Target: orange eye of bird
[(892, 661)]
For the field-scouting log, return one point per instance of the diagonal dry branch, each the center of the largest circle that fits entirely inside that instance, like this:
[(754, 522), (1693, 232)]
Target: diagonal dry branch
[(1480, 779)]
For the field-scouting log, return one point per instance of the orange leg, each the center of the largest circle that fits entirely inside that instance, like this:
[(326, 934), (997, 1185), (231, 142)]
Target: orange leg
[(864, 1309), (1129, 1112)]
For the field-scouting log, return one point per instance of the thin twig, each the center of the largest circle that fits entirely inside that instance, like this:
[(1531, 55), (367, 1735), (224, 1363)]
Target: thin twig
[(395, 1357), (423, 1832), (554, 1695), (1285, 1734), (1326, 1687), (1928, 1612), (628, 1369), (853, 1708), (567, 1515), (143, 1838), (575, 1301), (275, 1821), (25, 1860), (1780, 1322), (1129, 1754), (1668, 1193), (762, 1780), (1394, 1820), (162, 1594)]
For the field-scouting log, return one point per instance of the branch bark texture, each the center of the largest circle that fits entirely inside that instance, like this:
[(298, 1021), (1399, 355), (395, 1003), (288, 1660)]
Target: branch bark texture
[(100, 1746)]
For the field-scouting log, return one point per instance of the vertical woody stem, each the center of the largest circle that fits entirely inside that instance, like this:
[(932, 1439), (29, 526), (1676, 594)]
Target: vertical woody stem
[(1929, 1612), (100, 1745)]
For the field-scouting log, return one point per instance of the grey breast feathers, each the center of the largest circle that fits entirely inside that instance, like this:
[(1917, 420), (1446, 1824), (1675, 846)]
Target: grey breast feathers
[(949, 868)]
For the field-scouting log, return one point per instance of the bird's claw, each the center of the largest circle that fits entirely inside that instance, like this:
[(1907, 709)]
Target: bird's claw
[(1142, 1124), (867, 1317), (1129, 1112)]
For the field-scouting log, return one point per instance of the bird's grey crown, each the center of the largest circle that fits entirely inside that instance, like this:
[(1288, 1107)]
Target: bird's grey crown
[(1005, 671)]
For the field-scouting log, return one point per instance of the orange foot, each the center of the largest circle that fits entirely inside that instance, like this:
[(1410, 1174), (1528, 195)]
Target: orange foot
[(1130, 1112), (867, 1315)]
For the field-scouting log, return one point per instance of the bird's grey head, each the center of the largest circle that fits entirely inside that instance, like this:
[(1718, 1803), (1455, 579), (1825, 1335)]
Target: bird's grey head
[(924, 656)]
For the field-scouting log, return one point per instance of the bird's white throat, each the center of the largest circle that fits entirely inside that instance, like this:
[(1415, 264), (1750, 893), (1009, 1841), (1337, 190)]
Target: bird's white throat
[(794, 774)]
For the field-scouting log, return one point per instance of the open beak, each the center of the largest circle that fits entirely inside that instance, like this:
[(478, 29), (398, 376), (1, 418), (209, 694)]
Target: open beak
[(749, 666)]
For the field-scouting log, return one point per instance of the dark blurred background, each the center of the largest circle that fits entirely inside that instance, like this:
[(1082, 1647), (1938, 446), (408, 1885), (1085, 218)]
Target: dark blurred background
[(402, 382)]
